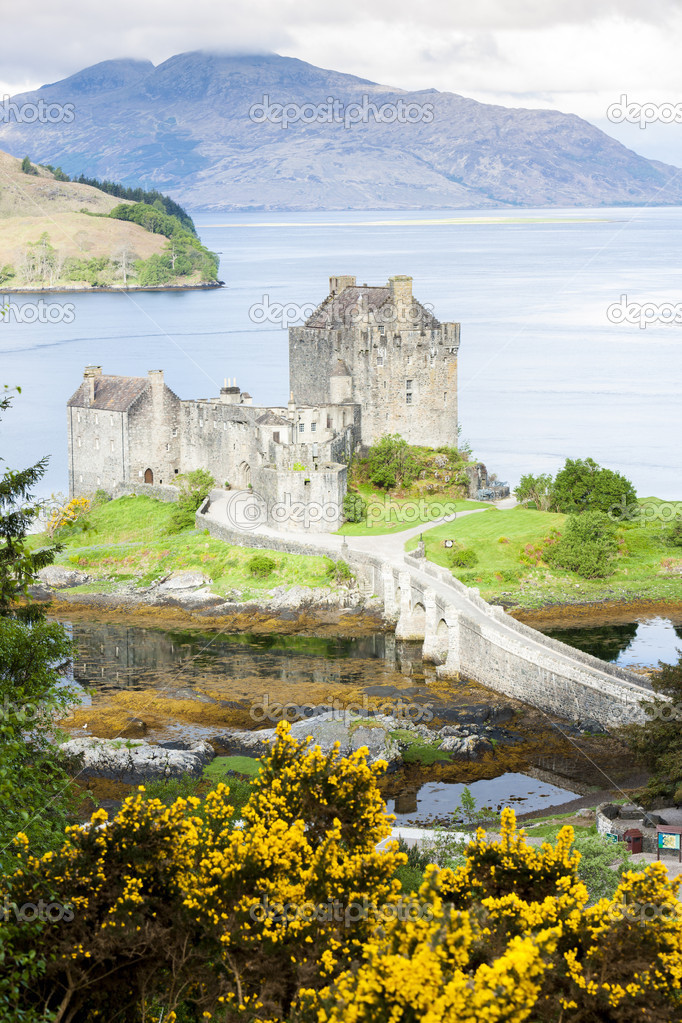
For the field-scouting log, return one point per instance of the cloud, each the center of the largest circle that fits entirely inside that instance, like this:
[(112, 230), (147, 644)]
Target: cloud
[(574, 55)]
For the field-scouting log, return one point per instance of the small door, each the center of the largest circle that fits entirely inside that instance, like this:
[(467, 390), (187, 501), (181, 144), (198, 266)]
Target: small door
[(148, 476)]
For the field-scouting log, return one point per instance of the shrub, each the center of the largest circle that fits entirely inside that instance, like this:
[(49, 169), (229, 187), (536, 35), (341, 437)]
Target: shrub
[(354, 507), (195, 487), (70, 514), (293, 914), (463, 557), (587, 547), (261, 566), (340, 571), (673, 537), (392, 461), (583, 485)]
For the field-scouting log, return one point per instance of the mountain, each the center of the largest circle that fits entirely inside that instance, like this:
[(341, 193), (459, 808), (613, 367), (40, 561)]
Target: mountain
[(184, 128)]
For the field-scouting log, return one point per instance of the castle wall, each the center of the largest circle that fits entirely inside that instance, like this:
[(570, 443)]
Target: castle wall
[(309, 500), (153, 431), (97, 449)]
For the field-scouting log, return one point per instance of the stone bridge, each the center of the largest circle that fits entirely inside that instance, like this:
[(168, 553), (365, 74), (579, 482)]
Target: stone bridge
[(460, 632)]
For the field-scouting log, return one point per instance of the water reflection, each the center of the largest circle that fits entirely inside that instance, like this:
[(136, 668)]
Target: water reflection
[(643, 643)]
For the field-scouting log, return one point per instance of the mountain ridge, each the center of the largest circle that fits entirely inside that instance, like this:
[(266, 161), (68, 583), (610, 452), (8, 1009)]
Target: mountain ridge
[(184, 127)]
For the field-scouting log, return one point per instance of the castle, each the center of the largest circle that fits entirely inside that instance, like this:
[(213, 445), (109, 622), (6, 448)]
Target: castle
[(368, 361)]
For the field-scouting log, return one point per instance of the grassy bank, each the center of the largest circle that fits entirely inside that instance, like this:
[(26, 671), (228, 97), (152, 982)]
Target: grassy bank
[(130, 540), (389, 514), (509, 568)]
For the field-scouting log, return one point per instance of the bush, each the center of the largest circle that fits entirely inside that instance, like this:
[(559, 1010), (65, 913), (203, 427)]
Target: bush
[(293, 914), (463, 557), (354, 508), (582, 485), (261, 566), (195, 487), (340, 571), (673, 537), (587, 546), (392, 461)]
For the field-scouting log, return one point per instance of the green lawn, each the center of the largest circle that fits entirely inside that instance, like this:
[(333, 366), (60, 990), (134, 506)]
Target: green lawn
[(388, 514), (128, 540), (644, 568)]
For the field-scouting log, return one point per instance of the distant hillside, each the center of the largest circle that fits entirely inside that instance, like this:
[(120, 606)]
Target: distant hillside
[(61, 234), (185, 128)]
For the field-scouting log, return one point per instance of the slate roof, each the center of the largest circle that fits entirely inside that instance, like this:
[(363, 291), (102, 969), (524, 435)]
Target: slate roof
[(343, 310), (112, 393)]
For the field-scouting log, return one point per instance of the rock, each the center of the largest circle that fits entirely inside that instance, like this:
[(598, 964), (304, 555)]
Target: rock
[(325, 730), (610, 811), (137, 762), (469, 747), (133, 727), (654, 820), (58, 577), (183, 581)]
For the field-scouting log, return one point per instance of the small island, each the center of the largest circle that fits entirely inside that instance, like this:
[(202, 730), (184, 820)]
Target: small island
[(62, 235)]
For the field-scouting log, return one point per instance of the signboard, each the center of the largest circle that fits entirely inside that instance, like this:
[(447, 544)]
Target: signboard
[(669, 839), (610, 836)]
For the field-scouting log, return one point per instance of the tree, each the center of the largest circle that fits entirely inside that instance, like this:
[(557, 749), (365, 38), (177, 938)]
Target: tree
[(583, 485), (27, 167), (658, 742), (587, 546), (195, 487), (34, 654), (391, 462), (535, 489), (19, 562)]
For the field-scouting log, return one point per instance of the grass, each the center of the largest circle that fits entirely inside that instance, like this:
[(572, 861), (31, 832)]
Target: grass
[(221, 767), (128, 540), (643, 569), (389, 514)]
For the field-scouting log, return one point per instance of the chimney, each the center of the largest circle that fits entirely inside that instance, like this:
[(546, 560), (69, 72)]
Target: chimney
[(230, 394), (155, 378), (337, 284), (291, 406), (90, 377), (401, 299)]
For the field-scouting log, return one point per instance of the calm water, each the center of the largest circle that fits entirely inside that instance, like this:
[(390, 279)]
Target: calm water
[(543, 374), (435, 802), (643, 643)]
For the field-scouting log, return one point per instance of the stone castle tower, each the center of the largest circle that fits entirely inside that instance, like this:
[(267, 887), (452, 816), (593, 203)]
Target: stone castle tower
[(381, 349)]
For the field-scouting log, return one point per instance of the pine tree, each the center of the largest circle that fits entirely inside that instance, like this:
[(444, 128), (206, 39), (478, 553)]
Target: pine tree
[(19, 564)]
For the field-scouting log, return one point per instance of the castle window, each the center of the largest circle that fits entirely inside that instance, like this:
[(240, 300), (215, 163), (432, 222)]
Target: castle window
[(111, 446), (78, 417), (175, 433), (380, 360), (301, 427), (445, 396), (275, 436), (381, 330), (78, 441), (96, 419), (167, 447), (313, 427), (385, 385), (81, 479), (408, 398), (329, 422), (408, 385), (99, 481), (111, 420), (96, 443), (176, 471)]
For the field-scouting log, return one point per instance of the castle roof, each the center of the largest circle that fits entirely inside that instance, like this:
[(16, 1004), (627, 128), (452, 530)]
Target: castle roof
[(351, 305), (112, 393), (270, 418)]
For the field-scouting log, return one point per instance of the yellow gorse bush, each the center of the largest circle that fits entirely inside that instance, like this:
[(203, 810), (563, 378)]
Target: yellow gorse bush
[(67, 514), (291, 914)]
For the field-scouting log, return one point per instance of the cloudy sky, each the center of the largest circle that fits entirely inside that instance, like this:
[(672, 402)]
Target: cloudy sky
[(578, 56)]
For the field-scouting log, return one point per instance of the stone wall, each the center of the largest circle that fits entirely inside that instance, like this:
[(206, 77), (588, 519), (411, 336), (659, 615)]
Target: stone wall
[(160, 492), (97, 449)]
